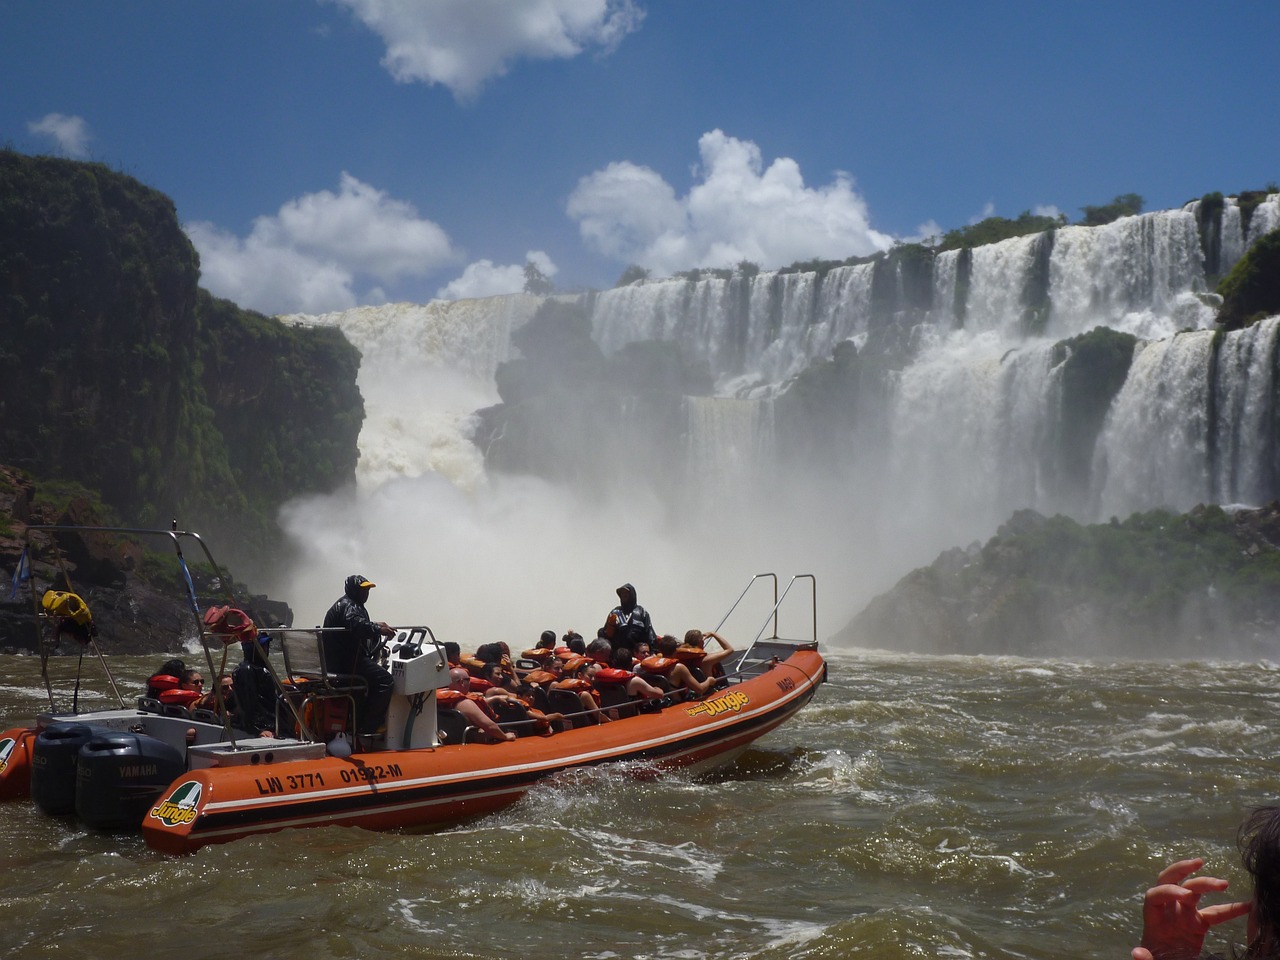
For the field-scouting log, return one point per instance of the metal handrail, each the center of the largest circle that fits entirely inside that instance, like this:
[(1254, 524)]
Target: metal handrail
[(773, 613)]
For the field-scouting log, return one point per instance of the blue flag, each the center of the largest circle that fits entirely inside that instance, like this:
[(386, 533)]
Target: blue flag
[(20, 575)]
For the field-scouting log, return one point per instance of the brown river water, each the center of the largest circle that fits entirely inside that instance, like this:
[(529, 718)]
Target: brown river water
[(919, 807)]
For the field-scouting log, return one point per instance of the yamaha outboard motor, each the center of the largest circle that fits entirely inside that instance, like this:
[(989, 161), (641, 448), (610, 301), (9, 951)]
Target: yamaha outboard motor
[(53, 766), (120, 775)]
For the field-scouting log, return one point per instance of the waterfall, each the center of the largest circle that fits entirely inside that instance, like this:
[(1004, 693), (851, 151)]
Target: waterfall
[(1266, 217), (1136, 274), (1245, 427), (1154, 448), (999, 276), (729, 444), (425, 369), (1233, 240), (969, 424), (952, 414)]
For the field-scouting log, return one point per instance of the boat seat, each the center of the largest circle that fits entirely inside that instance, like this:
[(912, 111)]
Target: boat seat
[(206, 716), (657, 680), (175, 710), (614, 696), (513, 716), (566, 702), (454, 728), (306, 669), (150, 705)]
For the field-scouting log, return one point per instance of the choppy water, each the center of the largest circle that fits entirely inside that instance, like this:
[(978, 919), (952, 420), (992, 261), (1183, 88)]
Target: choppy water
[(920, 807)]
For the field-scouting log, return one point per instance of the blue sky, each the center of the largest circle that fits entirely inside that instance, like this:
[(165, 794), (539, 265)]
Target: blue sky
[(328, 153)]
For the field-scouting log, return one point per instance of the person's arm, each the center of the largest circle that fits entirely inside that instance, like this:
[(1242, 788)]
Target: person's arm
[(1173, 926), (478, 718)]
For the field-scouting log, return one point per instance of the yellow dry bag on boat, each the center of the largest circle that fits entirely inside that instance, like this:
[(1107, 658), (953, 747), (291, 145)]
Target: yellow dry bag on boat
[(68, 605)]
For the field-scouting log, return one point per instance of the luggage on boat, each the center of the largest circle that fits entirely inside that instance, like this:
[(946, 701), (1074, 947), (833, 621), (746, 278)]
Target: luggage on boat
[(120, 775), (53, 766)]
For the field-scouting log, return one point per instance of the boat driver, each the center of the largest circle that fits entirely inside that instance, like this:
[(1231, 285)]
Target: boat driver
[(351, 648)]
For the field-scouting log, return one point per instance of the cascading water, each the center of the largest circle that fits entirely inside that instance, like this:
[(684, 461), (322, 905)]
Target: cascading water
[(935, 448)]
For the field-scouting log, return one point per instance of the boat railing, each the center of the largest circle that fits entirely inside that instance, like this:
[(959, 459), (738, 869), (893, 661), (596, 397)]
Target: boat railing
[(763, 648), (35, 533)]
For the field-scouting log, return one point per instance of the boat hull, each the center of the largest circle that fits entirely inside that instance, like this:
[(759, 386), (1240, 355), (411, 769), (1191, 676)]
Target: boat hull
[(434, 787)]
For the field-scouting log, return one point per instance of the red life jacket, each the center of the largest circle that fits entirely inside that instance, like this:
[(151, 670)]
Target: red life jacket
[(659, 665), (577, 685), (612, 675), (182, 697), (231, 624)]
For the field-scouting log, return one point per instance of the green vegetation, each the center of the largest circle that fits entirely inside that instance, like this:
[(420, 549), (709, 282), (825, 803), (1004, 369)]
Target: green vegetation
[(1125, 205), (1203, 583), (1149, 562), (633, 274), (120, 375), (537, 282), (995, 229), (1251, 291)]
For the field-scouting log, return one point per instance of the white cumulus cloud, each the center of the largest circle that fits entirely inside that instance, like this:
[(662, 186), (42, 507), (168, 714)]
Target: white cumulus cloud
[(484, 278), (462, 43), (71, 134), (737, 210), (311, 255)]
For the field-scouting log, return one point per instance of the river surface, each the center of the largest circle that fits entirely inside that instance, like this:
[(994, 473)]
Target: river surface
[(919, 807)]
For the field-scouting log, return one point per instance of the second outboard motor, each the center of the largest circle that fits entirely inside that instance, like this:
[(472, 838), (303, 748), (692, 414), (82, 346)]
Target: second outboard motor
[(53, 766), (120, 775)]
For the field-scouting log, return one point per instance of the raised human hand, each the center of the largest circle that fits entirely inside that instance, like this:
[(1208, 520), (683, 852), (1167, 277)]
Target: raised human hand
[(1173, 926)]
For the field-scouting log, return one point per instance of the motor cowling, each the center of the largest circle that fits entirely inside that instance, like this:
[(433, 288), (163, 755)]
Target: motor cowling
[(54, 757), (119, 776)]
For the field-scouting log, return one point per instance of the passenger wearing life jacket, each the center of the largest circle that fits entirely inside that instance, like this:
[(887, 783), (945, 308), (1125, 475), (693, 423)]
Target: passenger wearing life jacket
[(510, 701), (577, 681), (209, 701), (168, 677), (628, 623), (618, 673), (693, 652), (545, 649), (458, 696), (189, 690), (671, 670), (500, 683)]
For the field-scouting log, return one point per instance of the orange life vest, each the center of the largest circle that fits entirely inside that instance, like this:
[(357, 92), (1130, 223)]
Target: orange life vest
[(577, 685), (184, 698), (689, 655), (612, 675), (450, 698), (659, 665)]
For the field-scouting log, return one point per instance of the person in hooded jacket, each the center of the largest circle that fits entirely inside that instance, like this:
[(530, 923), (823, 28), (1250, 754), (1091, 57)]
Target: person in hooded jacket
[(350, 644), (628, 624)]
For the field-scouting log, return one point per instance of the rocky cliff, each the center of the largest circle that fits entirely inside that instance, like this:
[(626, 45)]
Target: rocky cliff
[(1204, 584), (119, 373)]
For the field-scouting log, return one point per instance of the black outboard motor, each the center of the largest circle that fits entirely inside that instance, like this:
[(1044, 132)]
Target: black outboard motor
[(53, 766), (120, 775)]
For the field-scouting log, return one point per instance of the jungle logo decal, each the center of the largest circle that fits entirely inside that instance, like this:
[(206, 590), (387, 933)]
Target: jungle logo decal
[(734, 701), (6, 748), (179, 807)]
